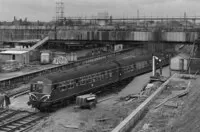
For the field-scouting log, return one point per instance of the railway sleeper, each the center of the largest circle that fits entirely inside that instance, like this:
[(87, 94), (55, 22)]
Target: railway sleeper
[(7, 115), (3, 111), (18, 119), (26, 124), (17, 124)]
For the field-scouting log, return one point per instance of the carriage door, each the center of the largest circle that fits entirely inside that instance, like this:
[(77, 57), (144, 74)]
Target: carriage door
[(119, 71)]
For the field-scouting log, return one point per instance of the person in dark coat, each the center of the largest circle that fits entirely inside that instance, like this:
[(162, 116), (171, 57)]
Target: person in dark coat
[(7, 100), (2, 98)]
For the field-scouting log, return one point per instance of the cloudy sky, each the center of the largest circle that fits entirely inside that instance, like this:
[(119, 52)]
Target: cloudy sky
[(44, 10)]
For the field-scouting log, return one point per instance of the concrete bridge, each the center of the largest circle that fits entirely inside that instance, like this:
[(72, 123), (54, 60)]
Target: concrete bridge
[(14, 33)]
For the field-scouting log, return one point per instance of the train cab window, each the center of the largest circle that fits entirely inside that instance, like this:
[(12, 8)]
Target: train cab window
[(36, 88), (46, 89), (33, 87)]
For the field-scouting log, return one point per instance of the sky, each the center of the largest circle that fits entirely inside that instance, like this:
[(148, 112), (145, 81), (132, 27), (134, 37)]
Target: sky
[(44, 10)]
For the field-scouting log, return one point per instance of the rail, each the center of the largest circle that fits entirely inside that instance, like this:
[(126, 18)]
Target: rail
[(13, 82), (15, 120)]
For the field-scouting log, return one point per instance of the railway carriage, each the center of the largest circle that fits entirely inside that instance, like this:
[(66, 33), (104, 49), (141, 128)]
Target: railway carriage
[(59, 88)]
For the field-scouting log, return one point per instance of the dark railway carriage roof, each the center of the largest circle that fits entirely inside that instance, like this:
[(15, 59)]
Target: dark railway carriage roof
[(80, 71), (129, 60), (90, 69)]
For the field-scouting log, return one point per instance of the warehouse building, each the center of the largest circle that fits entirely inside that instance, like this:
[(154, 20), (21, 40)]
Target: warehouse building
[(19, 56)]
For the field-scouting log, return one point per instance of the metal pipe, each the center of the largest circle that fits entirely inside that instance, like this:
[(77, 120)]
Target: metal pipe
[(153, 67)]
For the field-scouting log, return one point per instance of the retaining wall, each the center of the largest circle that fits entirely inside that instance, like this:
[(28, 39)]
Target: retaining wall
[(132, 119)]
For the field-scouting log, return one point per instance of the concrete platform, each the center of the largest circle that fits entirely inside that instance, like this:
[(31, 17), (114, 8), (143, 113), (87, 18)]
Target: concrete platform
[(20, 103)]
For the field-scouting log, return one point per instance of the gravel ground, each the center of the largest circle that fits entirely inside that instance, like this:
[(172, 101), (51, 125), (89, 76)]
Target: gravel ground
[(189, 118), (178, 114)]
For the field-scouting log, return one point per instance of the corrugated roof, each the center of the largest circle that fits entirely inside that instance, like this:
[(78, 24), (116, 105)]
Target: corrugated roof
[(13, 52)]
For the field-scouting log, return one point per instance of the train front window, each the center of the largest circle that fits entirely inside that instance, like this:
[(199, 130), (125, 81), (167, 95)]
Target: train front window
[(36, 88), (47, 89), (41, 88)]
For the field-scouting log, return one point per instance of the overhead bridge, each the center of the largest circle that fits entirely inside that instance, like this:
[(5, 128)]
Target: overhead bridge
[(123, 36)]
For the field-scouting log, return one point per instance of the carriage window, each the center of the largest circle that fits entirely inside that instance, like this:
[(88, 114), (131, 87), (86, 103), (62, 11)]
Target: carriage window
[(98, 76), (94, 76), (87, 79), (71, 84), (106, 74), (90, 79), (132, 68), (68, 86), (77, 82), (110, 73), (63, 88), (82, 81), (102, 76)]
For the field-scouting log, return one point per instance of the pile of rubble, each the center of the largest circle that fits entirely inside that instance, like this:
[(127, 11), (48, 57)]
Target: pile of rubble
[(167, 108), (11, 66)]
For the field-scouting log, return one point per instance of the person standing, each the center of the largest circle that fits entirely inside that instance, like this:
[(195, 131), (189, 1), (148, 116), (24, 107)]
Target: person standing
[(7, 100), (2, 98)]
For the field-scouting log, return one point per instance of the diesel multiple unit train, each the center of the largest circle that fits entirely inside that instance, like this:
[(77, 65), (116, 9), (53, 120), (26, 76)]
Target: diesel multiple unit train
[(58, 88)]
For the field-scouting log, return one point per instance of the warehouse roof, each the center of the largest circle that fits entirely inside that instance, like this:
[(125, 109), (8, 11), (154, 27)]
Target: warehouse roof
[(13, 52)]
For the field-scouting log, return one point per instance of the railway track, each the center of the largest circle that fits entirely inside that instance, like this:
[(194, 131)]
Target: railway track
[(18, 121), (13, 82)]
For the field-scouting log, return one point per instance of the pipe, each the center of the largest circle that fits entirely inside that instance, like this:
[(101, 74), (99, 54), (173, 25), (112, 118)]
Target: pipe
[(153, 67)]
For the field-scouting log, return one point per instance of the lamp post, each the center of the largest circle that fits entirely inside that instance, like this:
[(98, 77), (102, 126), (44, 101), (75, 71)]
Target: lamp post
[(154, 65)]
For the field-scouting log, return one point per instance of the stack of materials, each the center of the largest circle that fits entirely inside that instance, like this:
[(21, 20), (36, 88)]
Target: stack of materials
[(63, 58), (60, 60), (10, 66)]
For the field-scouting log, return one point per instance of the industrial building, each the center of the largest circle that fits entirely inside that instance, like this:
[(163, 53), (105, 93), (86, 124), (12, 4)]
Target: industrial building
[(20, 56)]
